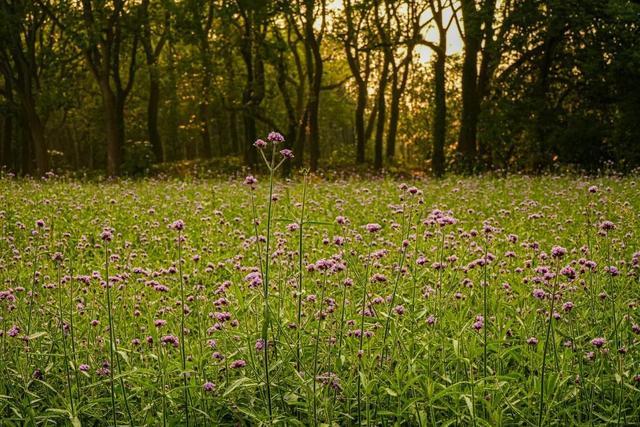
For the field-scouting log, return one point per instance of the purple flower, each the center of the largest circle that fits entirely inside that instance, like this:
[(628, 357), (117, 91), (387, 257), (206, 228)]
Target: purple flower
[(373, 228), (598, 342), (532, 341), (607, 225), (250, 180), (612, 270), (177, 225), (593, 189), (260, 143), (259, 344), (208, 387), (40, 223), (83, 368), (431, 320), (107, 234), (286, 153), (238, 364), (170, 339), (558, 252), (275, 137), (14, 331), (538, 293)]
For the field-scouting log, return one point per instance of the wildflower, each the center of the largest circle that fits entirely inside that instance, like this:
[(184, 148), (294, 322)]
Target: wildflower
[(593, 189), (14, 331), (259, 344), (598, 342), (170, 339), (538, 293), (107, 234), (250, 180), (607, 225), (558, 252), (177, 225), (399, 309), (83, 368), (286, 153), (260, 144), (275, 137), (40, 223), (208, 387), (612, 270), (238, 364), (431, 320), (373, 228), (532, 341)]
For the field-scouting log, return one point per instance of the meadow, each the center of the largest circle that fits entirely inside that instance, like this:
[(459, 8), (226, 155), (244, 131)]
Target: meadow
[(461, 301)]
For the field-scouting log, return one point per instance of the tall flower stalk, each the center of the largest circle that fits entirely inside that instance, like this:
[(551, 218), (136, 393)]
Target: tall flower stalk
[(557, 252), (179, 226), (274, 138), (107, 236)]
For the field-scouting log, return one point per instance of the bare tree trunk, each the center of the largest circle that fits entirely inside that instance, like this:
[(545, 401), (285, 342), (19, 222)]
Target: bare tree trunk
[(382, 86), (152, 116), (467, 146), (7, 137), (361, 139), (439, 116), (112, 129)]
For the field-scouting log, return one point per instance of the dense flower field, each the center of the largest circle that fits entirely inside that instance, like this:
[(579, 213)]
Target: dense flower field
[(479, 301)]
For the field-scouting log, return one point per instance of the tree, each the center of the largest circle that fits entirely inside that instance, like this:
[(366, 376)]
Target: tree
[(23, 53), (439, 48), (107, 32), (152, 54)]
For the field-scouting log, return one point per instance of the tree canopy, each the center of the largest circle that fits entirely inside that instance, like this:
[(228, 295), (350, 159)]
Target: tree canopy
[(433, 85)]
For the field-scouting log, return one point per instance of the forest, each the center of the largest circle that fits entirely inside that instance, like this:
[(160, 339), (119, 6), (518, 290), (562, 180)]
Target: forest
[(129, 87)]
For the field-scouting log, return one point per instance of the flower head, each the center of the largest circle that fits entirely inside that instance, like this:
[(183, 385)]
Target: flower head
[(275, 137), (177, 225), (286, 153), (260, 144)]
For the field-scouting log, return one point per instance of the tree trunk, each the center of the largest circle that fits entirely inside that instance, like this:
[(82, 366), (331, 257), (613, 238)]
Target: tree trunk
[(467, 145), (439, 116), (38, 139), (152, 115), (361, 139), (313, 108), (7, 137), (113, 129), (172, 144), (382, 86), (205, 135)]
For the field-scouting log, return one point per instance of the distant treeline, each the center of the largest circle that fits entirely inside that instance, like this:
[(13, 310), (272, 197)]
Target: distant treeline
[(118, 85)]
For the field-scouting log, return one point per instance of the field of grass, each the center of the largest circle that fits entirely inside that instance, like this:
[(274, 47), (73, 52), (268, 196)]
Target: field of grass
[(467, 301)]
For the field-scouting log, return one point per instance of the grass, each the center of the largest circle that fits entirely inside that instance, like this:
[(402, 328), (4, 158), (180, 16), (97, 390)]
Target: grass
[(428, 321)]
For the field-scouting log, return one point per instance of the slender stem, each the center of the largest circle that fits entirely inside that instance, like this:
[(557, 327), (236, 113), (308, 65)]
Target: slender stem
[(300, 272), (64, 341), (267, 319), (546, 344), (111, 333), (182, 343)]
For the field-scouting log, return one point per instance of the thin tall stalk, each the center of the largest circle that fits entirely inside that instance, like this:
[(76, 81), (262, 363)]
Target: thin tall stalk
[(58, 261), (300, 270), (111, 332), (274, 138), (546, 344), (182, 343)]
